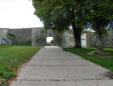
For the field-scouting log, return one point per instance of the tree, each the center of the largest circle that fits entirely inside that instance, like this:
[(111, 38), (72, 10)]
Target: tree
[(99, 13), (60, 14), (12, 37)]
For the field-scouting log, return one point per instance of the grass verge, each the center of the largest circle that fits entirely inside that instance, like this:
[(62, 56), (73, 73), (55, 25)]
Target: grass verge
[(11, 58), (103, 60)]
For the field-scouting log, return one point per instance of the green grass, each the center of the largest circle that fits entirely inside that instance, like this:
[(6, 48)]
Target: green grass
[(11, 58), (103, 60)]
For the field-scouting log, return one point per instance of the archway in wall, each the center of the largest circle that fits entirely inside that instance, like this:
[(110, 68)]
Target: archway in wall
[(50, 40), (42, 37)]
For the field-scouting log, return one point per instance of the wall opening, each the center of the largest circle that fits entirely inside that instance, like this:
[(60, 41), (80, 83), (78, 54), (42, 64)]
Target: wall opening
[(50, 41)]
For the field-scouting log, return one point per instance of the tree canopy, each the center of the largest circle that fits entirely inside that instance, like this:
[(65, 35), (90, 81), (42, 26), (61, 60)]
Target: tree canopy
[(99, 13), (60, 14)]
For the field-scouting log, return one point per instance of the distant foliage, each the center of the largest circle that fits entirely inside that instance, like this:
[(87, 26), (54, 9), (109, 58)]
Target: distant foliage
[(11, 36)]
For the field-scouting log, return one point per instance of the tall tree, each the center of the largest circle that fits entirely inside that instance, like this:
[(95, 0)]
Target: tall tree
[(99, 14), (60, 14)]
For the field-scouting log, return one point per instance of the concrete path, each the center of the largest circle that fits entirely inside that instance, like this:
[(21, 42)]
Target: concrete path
[(52, 66)]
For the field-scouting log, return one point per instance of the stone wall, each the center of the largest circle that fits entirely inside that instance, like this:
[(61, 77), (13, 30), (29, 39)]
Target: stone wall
[(23, 36), (106, 42), (3, 32), (88, 39), (65, 39), (35, 36), (83, 40), (61, 39), (38, 37)]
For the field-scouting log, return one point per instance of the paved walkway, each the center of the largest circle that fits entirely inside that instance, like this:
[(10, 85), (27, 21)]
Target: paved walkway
[(52, 66)]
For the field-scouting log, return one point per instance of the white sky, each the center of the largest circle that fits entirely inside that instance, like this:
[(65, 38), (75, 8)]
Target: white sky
[(18, 14)]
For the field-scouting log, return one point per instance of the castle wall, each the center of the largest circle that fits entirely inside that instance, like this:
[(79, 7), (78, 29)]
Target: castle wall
[(34, 36), (38, 37), (3, 32), (106, 42), (23, 36)]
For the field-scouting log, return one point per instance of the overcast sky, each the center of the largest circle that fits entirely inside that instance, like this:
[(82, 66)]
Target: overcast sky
[(18, 14)]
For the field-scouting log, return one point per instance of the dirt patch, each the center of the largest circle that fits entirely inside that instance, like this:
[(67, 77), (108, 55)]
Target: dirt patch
[(99, 53)]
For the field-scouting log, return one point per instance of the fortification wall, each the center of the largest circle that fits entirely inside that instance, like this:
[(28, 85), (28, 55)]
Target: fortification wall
[(38, 37), (23, 36), (106, 42), (34, 36), (3, 32)]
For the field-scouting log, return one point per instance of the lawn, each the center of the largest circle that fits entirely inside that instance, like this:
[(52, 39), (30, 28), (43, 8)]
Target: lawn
[(103, 60), (11, 58)]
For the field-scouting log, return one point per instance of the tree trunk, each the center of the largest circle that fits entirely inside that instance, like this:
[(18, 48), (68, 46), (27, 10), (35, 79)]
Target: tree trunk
[(76, 31), (99, 41), (98, 30), (77, 36)]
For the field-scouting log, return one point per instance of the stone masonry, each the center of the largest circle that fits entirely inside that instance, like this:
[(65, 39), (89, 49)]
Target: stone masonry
[(35, 36)]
